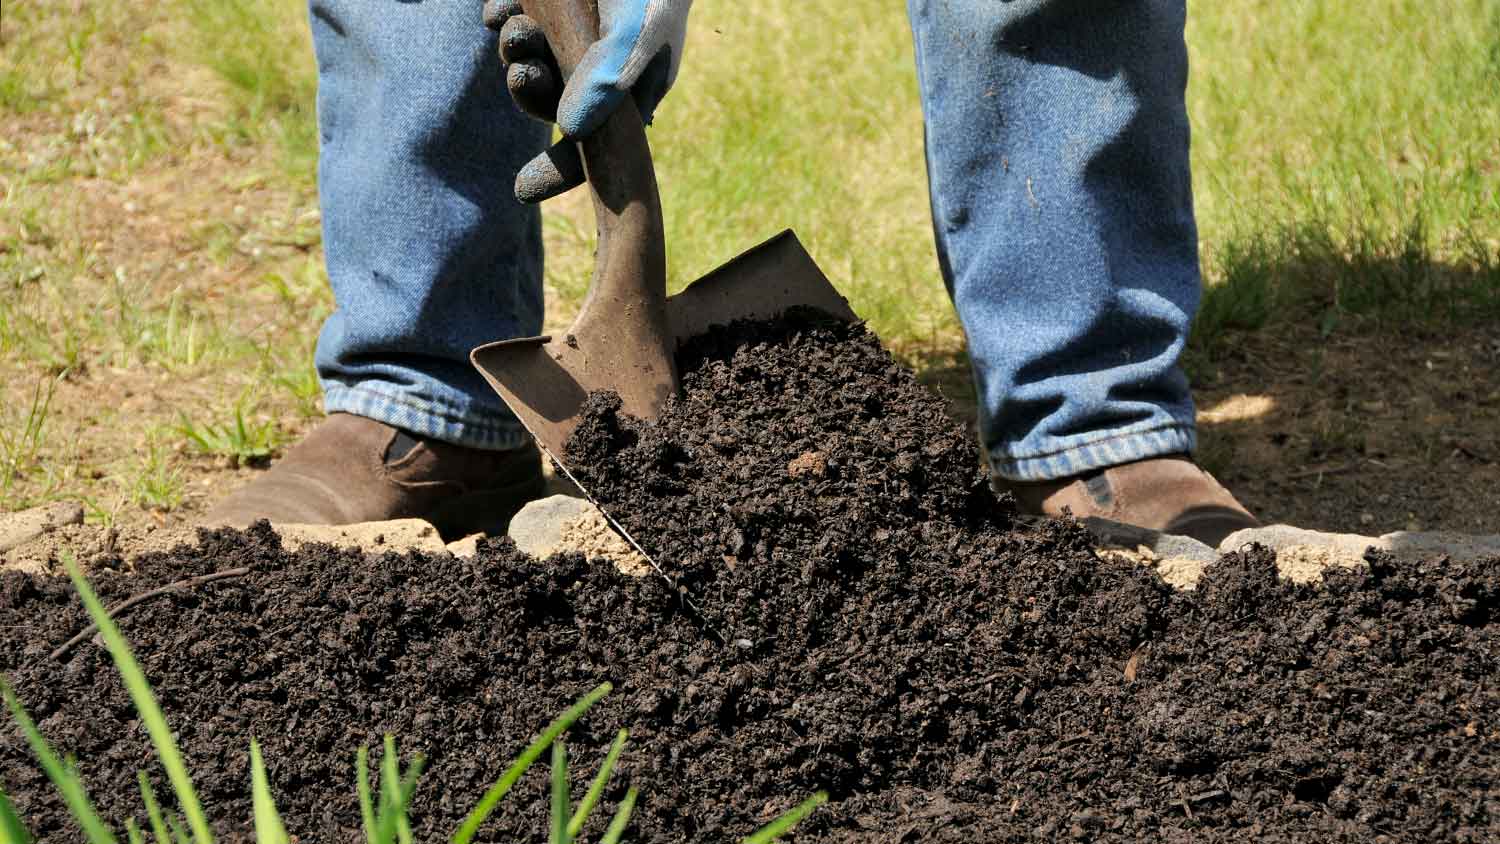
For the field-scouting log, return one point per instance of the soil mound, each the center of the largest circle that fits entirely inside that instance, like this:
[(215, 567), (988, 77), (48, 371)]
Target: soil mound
[(853, 611)]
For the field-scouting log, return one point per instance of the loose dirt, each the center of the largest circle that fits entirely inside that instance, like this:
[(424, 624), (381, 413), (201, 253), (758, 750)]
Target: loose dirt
[(870, 622)]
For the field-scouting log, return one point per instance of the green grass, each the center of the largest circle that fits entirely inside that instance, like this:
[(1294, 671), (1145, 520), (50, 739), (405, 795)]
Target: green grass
[(805, 116), (1346, 159), (241, 439), (21, 430), (262, 51), (383, 807), (1345, 154), (1308, 271), (156, 481)]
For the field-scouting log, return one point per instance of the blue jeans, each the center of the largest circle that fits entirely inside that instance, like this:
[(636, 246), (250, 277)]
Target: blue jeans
[(428, 251), (1057, 144)]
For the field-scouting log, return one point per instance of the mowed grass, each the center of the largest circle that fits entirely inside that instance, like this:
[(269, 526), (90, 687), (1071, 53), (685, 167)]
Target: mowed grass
[(159, 252), (1345, 153), (1346, 161)]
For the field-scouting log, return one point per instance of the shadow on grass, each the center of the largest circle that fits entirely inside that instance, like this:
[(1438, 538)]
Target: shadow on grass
[(1303, 281), (1306, 274)]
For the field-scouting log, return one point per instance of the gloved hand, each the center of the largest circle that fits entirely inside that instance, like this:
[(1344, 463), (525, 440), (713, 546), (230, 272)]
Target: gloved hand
[(638, 53)]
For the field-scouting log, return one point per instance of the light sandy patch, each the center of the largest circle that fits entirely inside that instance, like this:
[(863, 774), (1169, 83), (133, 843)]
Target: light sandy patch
[(591, 534)]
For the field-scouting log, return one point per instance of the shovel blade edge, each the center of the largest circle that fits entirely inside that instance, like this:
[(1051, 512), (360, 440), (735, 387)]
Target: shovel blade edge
[(763, 282)]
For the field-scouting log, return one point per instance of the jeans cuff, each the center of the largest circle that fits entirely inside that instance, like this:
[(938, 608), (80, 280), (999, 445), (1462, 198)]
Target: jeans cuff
[(424, 418), (1113, 449)]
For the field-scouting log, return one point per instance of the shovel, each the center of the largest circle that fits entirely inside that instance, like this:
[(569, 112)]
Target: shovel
[(628, 329)]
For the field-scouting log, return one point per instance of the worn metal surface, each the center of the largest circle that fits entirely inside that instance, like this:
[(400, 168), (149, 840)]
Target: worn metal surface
[(621, 340)]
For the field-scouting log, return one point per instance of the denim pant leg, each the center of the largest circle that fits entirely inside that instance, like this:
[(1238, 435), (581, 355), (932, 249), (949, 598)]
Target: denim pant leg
[(1057, 153), (428, 252)]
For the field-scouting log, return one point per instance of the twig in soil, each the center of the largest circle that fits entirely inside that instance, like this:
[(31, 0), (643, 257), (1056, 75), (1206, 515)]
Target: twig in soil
[(125, 605), (1472, 453), (1324, 470), (1187, 808)]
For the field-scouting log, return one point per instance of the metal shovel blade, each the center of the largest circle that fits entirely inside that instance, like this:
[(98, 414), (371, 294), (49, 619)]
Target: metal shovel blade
[(545, 381)]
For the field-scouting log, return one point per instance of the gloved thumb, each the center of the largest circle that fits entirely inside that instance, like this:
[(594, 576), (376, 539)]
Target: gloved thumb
[(593, 91), (554, 172), (640, 42)]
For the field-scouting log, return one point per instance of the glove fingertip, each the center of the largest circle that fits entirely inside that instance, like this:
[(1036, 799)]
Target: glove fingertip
[(534, 88), (556, 171), (496, 12), (522, 39), (584, 107)]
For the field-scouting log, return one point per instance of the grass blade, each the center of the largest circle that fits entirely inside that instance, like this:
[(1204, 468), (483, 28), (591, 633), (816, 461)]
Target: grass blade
[(12, 831), (388, 815), (621, 819), (779, 827), (145, 705), (268, 826), (409, 784), (133, 832), (362, 784), (559, 830), (596, 788), (153, 810), (394, 794), (487, 803), (63, 777)]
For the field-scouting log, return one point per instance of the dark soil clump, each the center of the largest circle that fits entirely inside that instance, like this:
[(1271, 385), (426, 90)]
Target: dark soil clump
[(857, 613)]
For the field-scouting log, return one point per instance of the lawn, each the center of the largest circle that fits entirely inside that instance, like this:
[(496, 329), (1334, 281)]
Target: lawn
[(159, 232)]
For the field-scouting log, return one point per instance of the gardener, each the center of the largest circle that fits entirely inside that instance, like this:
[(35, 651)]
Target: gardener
[(1057, 152)]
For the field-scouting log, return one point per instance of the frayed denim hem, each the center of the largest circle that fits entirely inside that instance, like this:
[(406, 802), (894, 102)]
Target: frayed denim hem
[(424, 418), (1111, 450)]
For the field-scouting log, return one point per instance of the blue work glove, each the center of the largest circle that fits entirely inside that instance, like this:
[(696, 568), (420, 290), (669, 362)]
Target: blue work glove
[(638, 53)]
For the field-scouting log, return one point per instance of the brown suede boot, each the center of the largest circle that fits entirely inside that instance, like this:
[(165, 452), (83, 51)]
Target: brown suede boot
[(353, 469), (1169, 494)]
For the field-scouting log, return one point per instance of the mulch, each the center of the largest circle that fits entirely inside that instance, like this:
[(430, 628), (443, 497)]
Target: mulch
[(848, 608)]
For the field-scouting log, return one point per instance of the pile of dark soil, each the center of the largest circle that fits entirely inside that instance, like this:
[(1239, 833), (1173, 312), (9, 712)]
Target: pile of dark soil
[(856, 614)]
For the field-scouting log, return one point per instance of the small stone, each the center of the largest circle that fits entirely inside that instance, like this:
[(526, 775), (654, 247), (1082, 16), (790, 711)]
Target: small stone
[(1178, 560), (1302, 555), (537, 529), (1367, 518), (592, 535), (466, 547), (19, 528), (562, 523)]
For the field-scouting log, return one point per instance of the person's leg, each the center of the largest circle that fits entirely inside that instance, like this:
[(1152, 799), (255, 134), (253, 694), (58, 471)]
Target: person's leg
[(1057, 151), (429, 255), (428, 251)]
